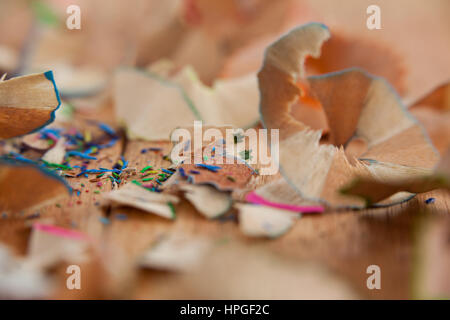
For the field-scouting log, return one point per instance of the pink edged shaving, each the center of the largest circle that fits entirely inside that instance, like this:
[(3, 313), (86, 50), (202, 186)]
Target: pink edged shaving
[(60, 232), (252, 197)]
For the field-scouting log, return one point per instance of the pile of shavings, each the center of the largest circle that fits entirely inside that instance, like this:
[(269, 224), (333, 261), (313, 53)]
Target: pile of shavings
[(151, 179), (208, 186), (72, 150)]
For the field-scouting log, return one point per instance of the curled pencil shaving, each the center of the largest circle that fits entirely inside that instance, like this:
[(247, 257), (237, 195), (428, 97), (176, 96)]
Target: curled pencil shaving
[(138, 197), (25, 186), (27, 103), (372, 190), (264, 221), (49, 245), (433, 111), (154, 97), (364, 116), (340, 52), (209, 201)]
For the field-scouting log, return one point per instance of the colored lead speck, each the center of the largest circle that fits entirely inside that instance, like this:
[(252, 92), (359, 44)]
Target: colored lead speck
[(136, 182), (245, 154), (104, 220), (80, 155), (87, 136), (166, 171), (56, 165), (172, 209), (209, 167), (34, 216), (107, 129), (430, 200), (121, 216), (146, 168)]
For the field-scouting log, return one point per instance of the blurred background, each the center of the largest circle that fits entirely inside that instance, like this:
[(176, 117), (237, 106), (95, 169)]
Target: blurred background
[(220, 39)]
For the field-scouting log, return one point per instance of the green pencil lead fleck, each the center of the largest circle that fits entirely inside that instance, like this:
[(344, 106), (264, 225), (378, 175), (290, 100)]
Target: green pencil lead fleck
[(172, 209), (136, 182), (231, 178), (44, 13), (56, 165), (146, 168), (246, 154)]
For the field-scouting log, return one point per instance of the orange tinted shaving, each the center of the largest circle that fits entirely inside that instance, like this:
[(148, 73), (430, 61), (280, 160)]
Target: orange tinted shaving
[(306, 96)]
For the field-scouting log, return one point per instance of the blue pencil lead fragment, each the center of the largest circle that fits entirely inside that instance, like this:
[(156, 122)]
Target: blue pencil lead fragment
[(104, 220), (430, 200), (121, 216), (107, 129), (209, 167), (80, 155)]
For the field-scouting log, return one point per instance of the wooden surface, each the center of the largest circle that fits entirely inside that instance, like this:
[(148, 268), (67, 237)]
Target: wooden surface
[(345, 243)]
